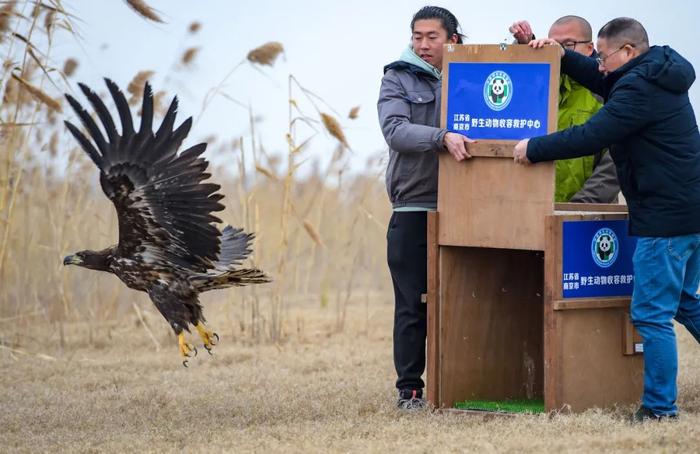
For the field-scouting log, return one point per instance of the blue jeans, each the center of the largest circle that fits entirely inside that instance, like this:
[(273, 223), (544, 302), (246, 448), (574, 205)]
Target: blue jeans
[(666, 279)]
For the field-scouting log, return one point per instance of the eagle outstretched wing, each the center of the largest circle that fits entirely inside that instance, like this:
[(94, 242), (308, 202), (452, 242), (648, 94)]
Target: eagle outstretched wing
[(164, 209), (235, 247)]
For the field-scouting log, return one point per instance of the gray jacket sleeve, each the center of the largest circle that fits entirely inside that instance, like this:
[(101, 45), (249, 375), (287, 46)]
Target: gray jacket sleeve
[(602, 185), (404, 134)]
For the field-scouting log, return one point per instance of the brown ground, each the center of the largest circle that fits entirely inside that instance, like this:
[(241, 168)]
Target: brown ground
[(317, 392)]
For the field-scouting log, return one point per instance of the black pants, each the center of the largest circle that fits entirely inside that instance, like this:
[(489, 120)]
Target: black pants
[(407, 255)]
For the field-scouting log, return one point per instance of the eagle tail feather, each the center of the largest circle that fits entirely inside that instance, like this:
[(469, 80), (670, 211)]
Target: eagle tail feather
[(230, 278)]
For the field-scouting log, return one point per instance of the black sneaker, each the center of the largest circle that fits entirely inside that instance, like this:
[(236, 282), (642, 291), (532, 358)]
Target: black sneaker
[(643, 414), (411, 399)]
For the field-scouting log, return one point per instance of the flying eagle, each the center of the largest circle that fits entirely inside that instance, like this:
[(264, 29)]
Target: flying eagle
[(168, 244)]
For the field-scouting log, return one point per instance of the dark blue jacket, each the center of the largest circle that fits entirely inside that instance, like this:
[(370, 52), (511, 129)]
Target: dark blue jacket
[(650, 127)]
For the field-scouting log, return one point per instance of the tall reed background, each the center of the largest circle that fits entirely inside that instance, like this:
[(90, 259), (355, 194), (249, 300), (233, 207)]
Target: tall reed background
[(304, 363), (319, 229)]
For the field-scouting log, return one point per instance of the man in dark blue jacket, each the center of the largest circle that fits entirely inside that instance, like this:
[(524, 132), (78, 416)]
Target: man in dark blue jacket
[(650, 126)]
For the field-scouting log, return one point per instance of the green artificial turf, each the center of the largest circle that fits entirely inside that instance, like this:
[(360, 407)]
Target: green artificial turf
[(507, 406)]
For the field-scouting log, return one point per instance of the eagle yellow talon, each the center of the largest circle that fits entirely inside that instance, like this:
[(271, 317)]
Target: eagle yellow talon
[(186, 350), (209, 338)]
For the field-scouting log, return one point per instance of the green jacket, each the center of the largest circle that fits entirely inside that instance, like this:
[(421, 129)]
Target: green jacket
[(576, 106)]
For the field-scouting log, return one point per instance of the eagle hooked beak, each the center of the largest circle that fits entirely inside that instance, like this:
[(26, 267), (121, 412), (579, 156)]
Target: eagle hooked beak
[(72, 260)]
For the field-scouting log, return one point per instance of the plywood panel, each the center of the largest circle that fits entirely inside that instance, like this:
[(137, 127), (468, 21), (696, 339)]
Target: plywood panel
[(594, 372), (493, 202), (489, 201), (490, 324)]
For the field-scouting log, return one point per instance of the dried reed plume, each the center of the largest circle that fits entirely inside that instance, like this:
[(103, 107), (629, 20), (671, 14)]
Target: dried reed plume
[(195, 27), (6, 13), (354, 112), (49, 20), (266, 172), (159, 102), (53, 144), (70, 66), (313, 234), (334, 129), (189, 55), (36, 11), (135, 87), (144, 10), (266, 54), (38, 94)]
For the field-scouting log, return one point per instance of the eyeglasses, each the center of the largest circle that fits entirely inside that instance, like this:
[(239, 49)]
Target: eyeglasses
[(601, 60), (571, 45)]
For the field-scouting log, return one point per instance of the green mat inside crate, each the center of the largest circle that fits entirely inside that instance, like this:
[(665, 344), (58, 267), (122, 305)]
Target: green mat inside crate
[(506, 406)]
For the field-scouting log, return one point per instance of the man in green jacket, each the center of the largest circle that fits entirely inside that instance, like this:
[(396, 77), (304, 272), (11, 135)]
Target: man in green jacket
[(590, 179)]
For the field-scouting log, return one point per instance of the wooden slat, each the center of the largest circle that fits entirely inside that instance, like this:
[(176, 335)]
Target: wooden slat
[(433, 348), (591, 207), (630, 336), (491, 149), (590, 303), (552, 333)]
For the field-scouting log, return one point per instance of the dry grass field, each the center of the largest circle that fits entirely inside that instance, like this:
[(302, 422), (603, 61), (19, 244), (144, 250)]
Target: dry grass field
[(319, 391), (304, 364)]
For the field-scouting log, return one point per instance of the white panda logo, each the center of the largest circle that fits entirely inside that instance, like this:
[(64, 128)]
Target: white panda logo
[(498, 90), (498, 87), (604, 247)]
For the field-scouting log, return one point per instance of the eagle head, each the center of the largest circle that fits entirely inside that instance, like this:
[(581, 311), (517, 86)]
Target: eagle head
[(89, 259)]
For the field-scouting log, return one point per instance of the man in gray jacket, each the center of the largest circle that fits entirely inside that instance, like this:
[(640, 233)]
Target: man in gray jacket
[(409, 115)]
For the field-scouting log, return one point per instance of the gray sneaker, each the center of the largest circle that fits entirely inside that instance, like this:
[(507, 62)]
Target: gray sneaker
[(411, 399)]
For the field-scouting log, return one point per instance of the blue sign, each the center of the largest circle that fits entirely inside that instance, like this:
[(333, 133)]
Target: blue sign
[(597, 259), (505, 101)]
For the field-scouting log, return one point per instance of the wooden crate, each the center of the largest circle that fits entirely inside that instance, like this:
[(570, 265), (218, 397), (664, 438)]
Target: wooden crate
[(498, 325)]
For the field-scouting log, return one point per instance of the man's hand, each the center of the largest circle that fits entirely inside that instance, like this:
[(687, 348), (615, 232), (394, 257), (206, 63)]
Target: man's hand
[(539, 43), (520, 153), (522, 31), (457, 145)]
